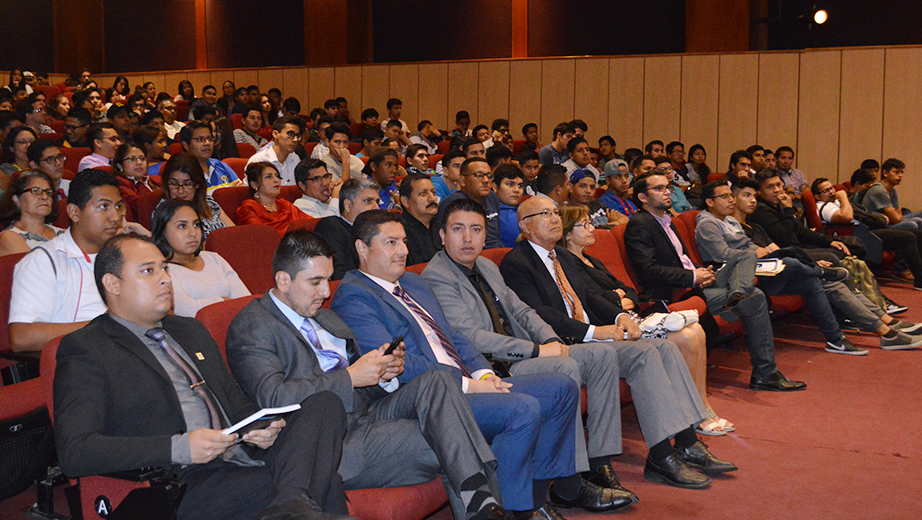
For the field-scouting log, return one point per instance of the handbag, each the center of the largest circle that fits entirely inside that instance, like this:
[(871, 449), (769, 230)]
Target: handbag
[(660, 324)]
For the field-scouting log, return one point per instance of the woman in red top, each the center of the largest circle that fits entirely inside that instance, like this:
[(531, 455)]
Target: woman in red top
[(265, 207)]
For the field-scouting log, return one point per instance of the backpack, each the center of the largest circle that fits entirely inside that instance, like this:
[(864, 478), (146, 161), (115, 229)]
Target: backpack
[(862, 279)]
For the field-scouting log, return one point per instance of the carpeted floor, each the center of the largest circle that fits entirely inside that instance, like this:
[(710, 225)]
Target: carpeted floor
[(848, 447)]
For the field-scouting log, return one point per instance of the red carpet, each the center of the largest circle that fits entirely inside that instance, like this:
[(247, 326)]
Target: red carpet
[(848, 447)]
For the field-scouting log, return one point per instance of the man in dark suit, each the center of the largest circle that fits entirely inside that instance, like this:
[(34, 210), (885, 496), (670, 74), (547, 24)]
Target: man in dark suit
[(661, 261), (546, 279), (125, 398), (355, 196), (529, 420), (284, 347)]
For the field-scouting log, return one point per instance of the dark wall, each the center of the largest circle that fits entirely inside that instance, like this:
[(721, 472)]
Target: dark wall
[(605, 27), (413, 30), (149, 35), (254, 34), (26, 36), (855, 23)]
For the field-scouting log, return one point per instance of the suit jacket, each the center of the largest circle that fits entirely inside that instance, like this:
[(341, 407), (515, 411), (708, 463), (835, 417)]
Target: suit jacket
[(784, 229), (338, 233), (376, 317), (115, 407), (276, 367), (455, 291), (525, 273), (654, 259)]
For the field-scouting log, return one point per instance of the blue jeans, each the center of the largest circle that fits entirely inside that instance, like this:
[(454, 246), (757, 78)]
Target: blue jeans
[(803, 280)]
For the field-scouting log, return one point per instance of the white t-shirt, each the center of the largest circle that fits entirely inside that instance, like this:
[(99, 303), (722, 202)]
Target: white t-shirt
[(60, 292), (286, 170), (193, 290), (827, 210)]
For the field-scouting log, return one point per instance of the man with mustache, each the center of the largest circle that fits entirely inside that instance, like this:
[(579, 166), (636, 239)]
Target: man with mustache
[(420, 204), (315, 182)]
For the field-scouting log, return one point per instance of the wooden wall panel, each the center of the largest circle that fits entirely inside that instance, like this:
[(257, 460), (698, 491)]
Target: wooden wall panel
[(433, 95), (218, 77), (348, 84), (590, 99), (404, 85), (375, 88), (557, 87), (462, 90), (294, 84), (662, 95), (320, 86), (493, 91), (200, 78), (779, 77), (171, 83), (902, 105), (700, 75), (737, 106), (156, 78), (270, 78), (246, 77), (861, 113), (525, 98), (818, 123), (625, 102)]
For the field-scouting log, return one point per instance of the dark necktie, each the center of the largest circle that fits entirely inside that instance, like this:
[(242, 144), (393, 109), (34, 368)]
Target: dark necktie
[(199, 387), (423, 315), (499, 326)]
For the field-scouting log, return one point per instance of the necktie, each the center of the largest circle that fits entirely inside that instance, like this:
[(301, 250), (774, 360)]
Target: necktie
[(423, 315), (199, 387), (314, 340), (61, 194), (567, 290), (499, 325)]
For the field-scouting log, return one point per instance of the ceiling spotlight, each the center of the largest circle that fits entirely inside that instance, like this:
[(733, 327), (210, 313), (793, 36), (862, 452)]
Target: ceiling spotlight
[(820, 16)]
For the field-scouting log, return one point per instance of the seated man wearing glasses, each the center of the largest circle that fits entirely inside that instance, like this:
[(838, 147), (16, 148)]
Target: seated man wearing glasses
[(476, 183), (198, 141), (320, 198), (286, 134), (47, 158), (104, 140), (76, 126)]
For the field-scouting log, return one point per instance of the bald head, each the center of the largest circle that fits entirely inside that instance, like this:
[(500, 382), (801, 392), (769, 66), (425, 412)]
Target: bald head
[(539, 220)]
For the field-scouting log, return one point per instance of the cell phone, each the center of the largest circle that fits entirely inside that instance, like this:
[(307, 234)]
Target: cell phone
[(393, 345)]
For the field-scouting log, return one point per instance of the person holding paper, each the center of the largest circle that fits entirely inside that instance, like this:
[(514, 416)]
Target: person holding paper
[(138, 387), (722, 231), (284, 347)]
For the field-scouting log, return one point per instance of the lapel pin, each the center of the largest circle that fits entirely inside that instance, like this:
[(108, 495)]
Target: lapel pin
[(200, 356)]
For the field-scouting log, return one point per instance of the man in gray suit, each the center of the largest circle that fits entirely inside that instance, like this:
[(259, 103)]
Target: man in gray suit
[(284, 347), (499, 323)]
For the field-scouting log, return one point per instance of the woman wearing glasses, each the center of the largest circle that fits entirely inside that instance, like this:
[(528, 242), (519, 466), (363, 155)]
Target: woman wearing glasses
[(577, 236), (266, 207), (28, 208), (183, 179), (14, 157), (200, 278), (130, 166)]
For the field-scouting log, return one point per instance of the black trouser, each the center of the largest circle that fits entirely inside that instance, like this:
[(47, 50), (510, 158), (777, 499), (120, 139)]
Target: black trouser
[(303, 462), (907, 243)]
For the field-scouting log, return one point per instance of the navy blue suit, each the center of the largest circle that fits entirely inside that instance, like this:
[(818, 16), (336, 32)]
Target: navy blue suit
[(531, 429)]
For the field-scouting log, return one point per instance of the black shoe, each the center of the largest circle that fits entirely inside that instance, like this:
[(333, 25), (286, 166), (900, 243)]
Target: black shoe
[(740, 305), (299, 509), (492, 512), (893, 307), (834, 274), (605, 477), (699, 457), (844, 346), (673, 471), (594, 498), (776, 383), (545, 512)]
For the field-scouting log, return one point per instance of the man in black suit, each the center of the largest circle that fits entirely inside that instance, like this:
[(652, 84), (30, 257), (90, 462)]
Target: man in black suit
[(661, 261), (125, 398), (545, 277), (284, 347), (355, 197)]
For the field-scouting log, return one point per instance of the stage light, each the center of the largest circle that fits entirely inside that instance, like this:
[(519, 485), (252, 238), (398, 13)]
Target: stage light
[(820, 16)]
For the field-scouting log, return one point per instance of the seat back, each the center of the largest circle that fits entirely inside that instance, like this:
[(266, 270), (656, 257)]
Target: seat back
[(495, 255), (72, 157), (238, 164), (309, 224), (810, 211), (147, 203), (236, 121), (443, 147), (715, 176), (618, 233), (26, 437), (357, 129), (607, 250), (249, 250), (265, 132), (417, 268), (7, 263), (230, 199), (685, 224), (290, 193), (309, 147), (434, 160), (175, 149), (517, 145), (217, 318), (245, 151), (354, 148)]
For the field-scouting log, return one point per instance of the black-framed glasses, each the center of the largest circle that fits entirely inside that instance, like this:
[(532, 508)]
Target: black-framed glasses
[(185, 185), (326, 177), (659, 189), (480, 175), (51, 159)]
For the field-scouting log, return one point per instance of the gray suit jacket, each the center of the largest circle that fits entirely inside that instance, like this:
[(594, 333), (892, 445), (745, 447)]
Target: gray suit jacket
[(467, 313)]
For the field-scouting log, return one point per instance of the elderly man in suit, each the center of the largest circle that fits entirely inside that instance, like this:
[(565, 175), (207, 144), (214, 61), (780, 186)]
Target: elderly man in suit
[(138, 387), (355, 196), (662, 263), (529, 420), (284, 347), (544, 278)]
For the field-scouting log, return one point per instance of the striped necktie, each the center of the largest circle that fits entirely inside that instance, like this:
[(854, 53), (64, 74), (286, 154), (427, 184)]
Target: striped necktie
[(567, 290), (331, 355), (423, 315)]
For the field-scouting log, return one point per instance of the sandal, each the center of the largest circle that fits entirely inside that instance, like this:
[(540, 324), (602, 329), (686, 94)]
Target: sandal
[(724, 424), (713, 429)]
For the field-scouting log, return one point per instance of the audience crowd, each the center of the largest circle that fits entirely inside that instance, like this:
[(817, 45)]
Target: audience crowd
[(459, 367)]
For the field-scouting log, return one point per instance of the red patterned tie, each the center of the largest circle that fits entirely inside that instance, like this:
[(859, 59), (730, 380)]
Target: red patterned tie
[(423, 315), (567, 290)]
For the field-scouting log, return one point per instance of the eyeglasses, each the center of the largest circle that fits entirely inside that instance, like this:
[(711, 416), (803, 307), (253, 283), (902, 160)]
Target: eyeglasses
[(203, 139), (24, 141), (584, 225), (327, 177), (544, 214), (659, 189), (112, 139), (664, 169), (74, 127), (167, 107), (135, 159), (51, 159), (725, 196), (479, 176), (185, 185), (35, 190), (293, 135)]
